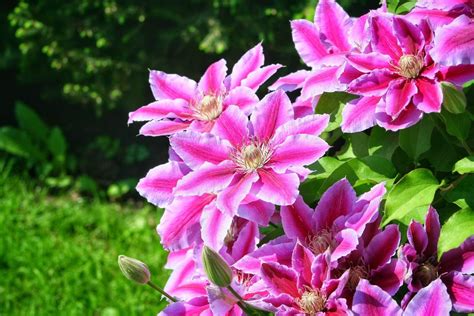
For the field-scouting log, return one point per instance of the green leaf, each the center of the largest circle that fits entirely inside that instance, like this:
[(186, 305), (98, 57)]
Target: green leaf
[(417, 139), (465, 165), (30, 122), (405, 7), (332, 103), (454, 99), (463, 193), (57, 144), (18, 143), (382, 143), (457, 125), (456, 229), (392, 5), (410, 197), (442, 154)]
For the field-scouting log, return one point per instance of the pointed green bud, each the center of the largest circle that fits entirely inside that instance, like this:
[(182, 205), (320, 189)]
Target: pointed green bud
[(217, 270), (134, 269)]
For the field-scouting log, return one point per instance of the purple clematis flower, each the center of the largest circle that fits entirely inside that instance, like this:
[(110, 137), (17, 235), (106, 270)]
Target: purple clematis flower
[(304, 287), (454, 268), (263, 157), (372, 300), (400, 80), (182, 104), (337, 222)]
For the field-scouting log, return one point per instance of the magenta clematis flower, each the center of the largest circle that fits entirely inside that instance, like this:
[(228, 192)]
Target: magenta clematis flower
[(454, 268), (440, 12), (372, 300), (304, 287), (337, 222), (184, 104), (400, 80), (263, 157)]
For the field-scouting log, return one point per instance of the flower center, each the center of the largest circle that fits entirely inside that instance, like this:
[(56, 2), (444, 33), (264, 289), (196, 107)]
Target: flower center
[(321, 242), (355, 274), (425, 273), (209, 108), (311, 302), (252, 157), (409, 66)]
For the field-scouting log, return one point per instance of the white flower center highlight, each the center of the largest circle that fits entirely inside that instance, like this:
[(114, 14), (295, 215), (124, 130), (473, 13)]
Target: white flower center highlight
[(209, 108), (311, 302), (409, 66), (252, 157)]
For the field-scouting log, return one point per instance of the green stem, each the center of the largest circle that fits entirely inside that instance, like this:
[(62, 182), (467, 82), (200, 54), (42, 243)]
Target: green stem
[(162, 292), (466, 147), (231, 290)]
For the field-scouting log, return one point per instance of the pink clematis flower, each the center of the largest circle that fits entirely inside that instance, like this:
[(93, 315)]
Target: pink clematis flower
[(400, 80), (182, 104), (263, 157), (440, 12), (337, 222), (305, 287), (454, 268), (372, 300)]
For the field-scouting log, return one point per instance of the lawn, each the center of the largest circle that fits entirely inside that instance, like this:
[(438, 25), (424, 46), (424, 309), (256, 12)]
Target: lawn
[(58, 254)]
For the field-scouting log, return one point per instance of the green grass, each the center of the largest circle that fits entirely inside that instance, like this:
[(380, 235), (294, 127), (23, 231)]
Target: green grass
[(58, 255)]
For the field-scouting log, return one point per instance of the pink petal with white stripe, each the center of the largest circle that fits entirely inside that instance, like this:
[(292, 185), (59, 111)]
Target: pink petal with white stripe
[(163, 127), (170, 86), (399, 95), (272, 111), (232, 125), (212, 82), (161, 109), (258, 212), (374, 83), (313, 124), (322, 80), (359, 115), (347, 241), (246, 241), (252, 60), (334, 23), (383, 37), (208, 178), (258, 77), (280, 279), (307, 42), (409, 117), (371, 300), (182, 282), (291, 81), (389, 276), (229, 199), (296, 219), (409, 36), (158, 184), (297, 150), (369, 61), (458, 75), (197, 148), (431, 300), (280, 189), (242, 97), (461, 290), (214, 226), (429, 97)]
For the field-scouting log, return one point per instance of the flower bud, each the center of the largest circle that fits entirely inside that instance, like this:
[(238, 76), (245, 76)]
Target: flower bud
[(134, 269), (217, 270)]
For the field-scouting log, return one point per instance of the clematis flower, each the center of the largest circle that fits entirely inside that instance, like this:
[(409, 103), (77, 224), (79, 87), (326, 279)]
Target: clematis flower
[(182, 104), (372, 300), (400, 80), (337, 222), (454, 268), (264, 157), (304, 287), (440, 12)]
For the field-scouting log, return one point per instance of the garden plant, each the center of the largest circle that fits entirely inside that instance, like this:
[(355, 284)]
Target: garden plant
[(346, 189)]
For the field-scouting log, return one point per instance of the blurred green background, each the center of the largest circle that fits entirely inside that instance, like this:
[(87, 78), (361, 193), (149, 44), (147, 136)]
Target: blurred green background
[(72, 70)]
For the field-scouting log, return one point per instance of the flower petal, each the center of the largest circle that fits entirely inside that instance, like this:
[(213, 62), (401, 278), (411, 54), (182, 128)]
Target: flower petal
[(291, 81), (431, 300), (313, 124), (197, 148), (460, 258), (382, 247), (229, 199), (389, 276), (158, 184), (334, 23), (280, 279), (461, 289), (301, 261), (208, 178), (297, 150), (296, 219), (454, 43), (166, 86), (280, 189), (322, 80), (383, 37), (242, 97), (368, 61), (374, 83), (161, 109), (409, 36), (212, 82), (398, 96), (359, 115), (252, 60), (429, 97), (163, 127), (257, 211), (232, 125), (214, 226), (371, 300), (337, 201), (258, 77), (417, 236), (307, 42), (410, 116), (458, 75), (246, 241), (433, 228), (366, 208), (347, 241), (273, 110)]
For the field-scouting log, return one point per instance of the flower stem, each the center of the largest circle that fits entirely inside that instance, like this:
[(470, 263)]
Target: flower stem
[(162, 292)]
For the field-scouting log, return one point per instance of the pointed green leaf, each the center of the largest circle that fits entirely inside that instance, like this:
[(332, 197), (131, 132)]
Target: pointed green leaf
[(465, 165), (456, 229)]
